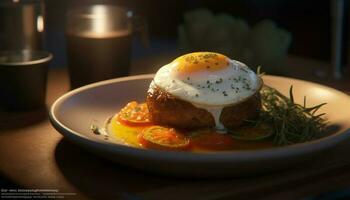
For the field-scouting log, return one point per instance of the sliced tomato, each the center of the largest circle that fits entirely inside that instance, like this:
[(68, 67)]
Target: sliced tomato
[(212, 140), (134, 114), (163, 138)]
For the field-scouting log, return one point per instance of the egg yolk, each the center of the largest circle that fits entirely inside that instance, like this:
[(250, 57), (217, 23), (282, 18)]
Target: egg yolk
[(200, 61)]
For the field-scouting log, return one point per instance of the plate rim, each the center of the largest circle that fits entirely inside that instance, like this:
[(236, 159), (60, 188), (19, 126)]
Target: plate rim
[(239, 155)]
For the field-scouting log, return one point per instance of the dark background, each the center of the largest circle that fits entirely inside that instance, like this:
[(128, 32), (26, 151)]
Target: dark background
[(308, 21)]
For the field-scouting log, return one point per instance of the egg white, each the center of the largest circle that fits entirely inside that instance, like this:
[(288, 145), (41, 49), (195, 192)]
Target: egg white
[(214, 88)]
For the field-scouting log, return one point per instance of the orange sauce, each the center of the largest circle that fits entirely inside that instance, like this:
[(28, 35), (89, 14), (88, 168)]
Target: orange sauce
[(201, 141)]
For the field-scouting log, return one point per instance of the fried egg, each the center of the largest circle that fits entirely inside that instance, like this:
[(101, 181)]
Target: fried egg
[(208, 80)]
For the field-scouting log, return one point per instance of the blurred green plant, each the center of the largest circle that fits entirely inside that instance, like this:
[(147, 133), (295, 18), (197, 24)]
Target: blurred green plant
[(263, 44)]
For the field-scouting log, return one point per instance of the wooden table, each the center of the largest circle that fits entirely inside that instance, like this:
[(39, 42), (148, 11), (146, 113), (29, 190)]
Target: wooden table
[(34, 155)]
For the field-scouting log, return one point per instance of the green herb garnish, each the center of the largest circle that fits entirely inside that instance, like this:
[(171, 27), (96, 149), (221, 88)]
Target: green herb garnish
[(291, 122), (95, 129)]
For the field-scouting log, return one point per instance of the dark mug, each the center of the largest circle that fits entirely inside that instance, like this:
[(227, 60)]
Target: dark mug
[(23, 77)]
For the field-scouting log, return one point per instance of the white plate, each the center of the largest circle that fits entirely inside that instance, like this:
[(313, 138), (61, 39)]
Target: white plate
[(73, 113)]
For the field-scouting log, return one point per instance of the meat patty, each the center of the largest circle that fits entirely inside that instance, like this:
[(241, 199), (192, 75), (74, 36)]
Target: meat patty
[(166, 109)]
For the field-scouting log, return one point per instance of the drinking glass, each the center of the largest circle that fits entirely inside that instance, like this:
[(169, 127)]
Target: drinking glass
[(98, 39)]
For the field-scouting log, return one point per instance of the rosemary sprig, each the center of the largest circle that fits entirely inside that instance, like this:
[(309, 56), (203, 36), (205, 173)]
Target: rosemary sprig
[(291, 122)]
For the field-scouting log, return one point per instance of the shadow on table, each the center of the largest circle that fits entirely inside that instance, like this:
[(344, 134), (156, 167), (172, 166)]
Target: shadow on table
[(98, 177), (19, 119)]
